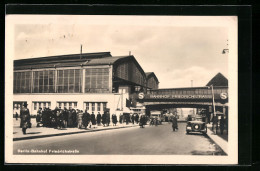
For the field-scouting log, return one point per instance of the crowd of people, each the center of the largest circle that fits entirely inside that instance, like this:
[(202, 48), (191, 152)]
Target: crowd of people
[(72, 118)]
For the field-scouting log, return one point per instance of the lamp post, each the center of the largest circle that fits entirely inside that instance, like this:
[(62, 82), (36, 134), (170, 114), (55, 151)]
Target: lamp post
[(214, 110), (213, 100)]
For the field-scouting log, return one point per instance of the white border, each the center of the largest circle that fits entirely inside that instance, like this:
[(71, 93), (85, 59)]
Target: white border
[(231, 22)]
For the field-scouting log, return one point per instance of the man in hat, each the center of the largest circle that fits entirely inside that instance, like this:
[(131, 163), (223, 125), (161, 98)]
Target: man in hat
[(25, 117)]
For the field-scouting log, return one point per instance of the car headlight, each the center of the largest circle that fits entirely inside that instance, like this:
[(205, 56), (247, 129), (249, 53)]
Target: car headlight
[(188, 127)]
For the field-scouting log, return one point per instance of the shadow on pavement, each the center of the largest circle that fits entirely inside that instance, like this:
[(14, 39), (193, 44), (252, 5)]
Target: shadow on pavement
[(34, 132), (198, 134)]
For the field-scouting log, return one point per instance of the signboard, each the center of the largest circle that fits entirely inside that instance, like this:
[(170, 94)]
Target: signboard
[(141, 95), (223, 96), (178, 96)]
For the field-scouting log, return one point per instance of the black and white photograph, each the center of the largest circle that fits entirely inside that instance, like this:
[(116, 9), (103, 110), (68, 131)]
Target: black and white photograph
[(118, 89)]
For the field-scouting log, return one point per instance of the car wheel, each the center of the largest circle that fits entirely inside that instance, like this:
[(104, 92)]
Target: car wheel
[(187, 132)]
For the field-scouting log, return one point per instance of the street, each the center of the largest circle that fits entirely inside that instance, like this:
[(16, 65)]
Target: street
[(151, 140)]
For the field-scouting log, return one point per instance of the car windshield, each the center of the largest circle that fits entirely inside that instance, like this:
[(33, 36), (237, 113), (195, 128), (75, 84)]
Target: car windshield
[(198, 119)]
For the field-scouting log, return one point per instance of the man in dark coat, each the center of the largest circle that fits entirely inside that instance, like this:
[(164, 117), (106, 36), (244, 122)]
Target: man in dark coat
[(114, 119), (98, 119), (133, 119), (127, 118), (174, 123), (93, 119), (108, 118), (104, 119), (65, 117), (222, 123), (120, 118), (25, 118), (85, 119), (53, 117), (74, 118), (142, 121), (137, 118), (70, 121)]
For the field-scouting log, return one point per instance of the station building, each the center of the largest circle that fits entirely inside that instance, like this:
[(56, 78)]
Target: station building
[(92, 81)]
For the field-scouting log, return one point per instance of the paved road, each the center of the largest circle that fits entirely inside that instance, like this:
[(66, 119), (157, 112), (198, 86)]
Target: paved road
[(149, 140)]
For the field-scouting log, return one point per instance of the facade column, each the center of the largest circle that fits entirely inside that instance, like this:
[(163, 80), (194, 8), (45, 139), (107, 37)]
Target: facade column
[(83, 79), (110, 78)]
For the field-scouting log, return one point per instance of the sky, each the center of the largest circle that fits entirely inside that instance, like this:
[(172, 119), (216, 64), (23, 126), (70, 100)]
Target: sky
[(176, 49)]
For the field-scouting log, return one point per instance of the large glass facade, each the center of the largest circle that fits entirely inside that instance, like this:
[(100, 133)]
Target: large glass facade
[(69, 81), (22, 82), (61, 81), (43, 81), (97, 80)]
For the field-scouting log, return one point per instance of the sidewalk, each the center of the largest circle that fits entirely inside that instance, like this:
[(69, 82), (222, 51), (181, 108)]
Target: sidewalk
[(42, 132), (218, 139)]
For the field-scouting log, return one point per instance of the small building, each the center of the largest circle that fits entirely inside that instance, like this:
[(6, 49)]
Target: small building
[(152, 80)]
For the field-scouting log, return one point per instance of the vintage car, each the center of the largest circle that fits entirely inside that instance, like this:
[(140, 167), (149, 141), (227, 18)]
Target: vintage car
[(155, 117), (196, 124)]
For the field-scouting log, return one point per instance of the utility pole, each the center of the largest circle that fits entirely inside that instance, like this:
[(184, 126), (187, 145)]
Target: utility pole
[(80, 50)]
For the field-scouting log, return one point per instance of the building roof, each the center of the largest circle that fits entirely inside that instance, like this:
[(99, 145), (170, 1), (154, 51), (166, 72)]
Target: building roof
[(218, 80), (102, 58), (150, 74)]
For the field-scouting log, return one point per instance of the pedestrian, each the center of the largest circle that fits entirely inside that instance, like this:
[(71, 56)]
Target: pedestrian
[(156, 121), (151, 122), (85, 120), (137, 118), (65, 117), (215, 124), (98, 119), (48, 117), (108, 118), (104, 119), (70, 123), (16, 116), (142, 121), (25, 118), (222, 124), (174, 123), (59, 119), (127, 118), (93, 119), (79, 119), (120, 118), (74, 118), (133, 119), (114, 119), (39, 117), (189, 118), (53, 118), (62, 118)]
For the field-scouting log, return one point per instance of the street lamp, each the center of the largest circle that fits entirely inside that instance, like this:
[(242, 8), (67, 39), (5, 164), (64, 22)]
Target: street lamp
[(213, 102)]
